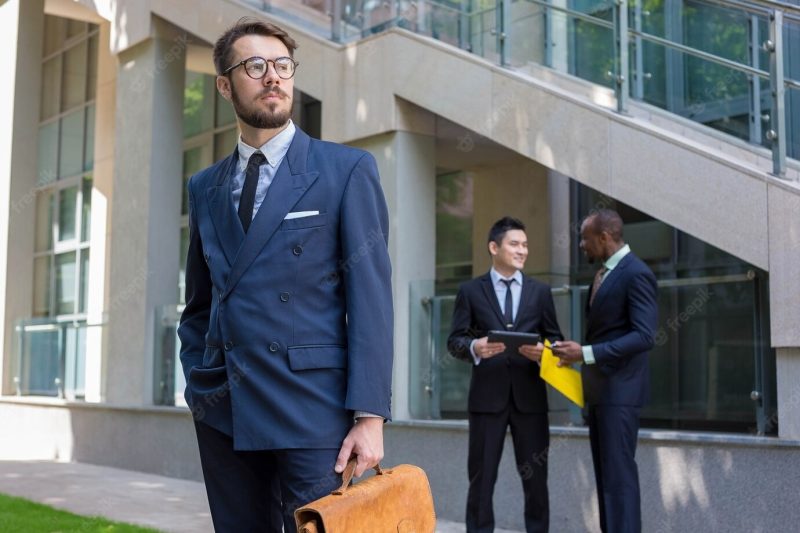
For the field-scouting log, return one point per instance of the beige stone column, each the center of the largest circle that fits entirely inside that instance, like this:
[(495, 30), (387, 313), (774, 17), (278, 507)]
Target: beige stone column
[(21, 27), (407, 163), (145, 208)]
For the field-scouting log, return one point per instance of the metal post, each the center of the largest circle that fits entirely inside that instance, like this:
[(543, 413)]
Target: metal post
[(464, 26), (336, 21), (622, 83), (504, 23), (638, 59), (548, 38), (575, 332), (436, 367), (755, 83), (777, 133)]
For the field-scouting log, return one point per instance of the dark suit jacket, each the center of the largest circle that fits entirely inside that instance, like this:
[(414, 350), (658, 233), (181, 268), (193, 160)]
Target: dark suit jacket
[(621, 326), (288, 329), (476, 312)]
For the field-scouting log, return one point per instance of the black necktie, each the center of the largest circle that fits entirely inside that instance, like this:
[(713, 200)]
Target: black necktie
[(248, 198), (508, 314)]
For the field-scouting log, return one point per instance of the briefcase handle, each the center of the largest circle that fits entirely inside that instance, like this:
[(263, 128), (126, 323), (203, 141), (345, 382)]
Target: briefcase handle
[(347, 474)]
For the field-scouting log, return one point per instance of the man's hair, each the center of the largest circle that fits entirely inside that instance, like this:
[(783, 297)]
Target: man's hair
[(247, 26), (502, 226), (607, 220)]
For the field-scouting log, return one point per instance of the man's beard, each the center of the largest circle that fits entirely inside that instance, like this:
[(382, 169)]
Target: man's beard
[(256, 118)]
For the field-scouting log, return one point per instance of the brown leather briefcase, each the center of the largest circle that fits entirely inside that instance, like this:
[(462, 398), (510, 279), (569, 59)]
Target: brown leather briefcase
[(396, 500)]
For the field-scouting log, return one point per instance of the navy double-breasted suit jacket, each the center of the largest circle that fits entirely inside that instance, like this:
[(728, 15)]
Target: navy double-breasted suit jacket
[(497, 380), (621, 325), (288, 329)]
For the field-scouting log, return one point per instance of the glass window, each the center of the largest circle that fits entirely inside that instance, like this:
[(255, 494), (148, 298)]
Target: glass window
[(44, 221), (75, 28), (65, 283), (91, 69), (225, 114), (67, 214), (71, 149), (73, 79), (198, 98), (54, 33), (88, 151), (86, 209), (48, 153), (41, 286), (454, 213), (224, 143), (84, 288), (51, 87), (194, 160)]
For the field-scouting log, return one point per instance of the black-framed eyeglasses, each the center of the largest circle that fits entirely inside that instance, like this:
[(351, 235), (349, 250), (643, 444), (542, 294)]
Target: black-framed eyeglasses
[(256, 67)]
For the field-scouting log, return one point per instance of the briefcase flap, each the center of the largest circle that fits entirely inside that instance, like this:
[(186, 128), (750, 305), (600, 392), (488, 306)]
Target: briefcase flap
[(398, 500)]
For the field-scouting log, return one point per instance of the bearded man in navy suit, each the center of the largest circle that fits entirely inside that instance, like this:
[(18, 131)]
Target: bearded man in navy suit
[(286, 338), (622, 315), (505, 389)]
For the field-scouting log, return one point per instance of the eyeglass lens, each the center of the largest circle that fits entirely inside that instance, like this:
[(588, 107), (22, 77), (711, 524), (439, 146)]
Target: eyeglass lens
[(256, 67)]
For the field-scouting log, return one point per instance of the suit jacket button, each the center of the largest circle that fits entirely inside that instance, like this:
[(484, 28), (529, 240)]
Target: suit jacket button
[(297, 250), (274, 347), (228, 346), (284, 296)]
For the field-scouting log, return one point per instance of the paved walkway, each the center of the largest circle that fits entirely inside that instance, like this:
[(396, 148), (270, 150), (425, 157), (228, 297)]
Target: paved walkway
[(166, 504)]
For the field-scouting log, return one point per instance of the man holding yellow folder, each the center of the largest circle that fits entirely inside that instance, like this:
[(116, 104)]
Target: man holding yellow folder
[(622, 316)]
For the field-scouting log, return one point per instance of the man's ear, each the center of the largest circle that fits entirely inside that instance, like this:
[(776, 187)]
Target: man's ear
[(224, 87), (492, 248)]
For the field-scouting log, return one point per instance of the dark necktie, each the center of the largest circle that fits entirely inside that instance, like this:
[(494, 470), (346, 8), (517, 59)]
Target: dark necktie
[(248, 198), (598, 280), (508, 314)]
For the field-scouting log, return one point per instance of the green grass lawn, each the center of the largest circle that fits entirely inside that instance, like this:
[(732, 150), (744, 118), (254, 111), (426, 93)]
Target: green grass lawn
[(23, 516)]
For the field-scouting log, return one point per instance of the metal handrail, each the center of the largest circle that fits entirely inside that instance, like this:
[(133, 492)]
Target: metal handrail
[(775, 12)]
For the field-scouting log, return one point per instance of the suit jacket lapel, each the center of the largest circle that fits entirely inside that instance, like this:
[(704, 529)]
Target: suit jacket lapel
[(491, 296), (223, 215), (607, 287), (525, 296), (291, 182)]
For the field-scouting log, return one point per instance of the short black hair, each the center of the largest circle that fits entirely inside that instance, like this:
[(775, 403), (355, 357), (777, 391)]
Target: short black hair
[(247, 26), (607, 220), (502, 226)]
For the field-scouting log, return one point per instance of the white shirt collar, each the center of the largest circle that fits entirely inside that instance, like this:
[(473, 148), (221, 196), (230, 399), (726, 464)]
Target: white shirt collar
[(496, 277), (274, 149)]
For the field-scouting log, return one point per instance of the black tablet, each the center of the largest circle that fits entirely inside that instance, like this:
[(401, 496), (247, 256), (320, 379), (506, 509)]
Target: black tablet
[(513, 339)]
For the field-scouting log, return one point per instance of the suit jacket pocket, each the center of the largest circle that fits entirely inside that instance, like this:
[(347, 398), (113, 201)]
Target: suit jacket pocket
[(312, 221), (203, 379), (317, 356)]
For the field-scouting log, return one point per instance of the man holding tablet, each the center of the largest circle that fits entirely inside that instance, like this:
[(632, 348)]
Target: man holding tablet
[(505, 388)]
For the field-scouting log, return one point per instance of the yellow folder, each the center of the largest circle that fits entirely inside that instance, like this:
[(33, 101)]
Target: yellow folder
[(565, 379)]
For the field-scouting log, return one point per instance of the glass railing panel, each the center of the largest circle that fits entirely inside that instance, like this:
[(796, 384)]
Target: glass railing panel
[(51, 358), (703, 367), (708, 347), (168, 379), (483, 29), (444, 20), (527, 41)]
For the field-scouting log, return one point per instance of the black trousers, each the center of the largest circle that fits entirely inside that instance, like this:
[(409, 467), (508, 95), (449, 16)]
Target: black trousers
[(531, 436), (258, 491), (613, 431)]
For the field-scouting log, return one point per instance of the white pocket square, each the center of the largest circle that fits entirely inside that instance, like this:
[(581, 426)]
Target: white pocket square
[(300, 214)]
